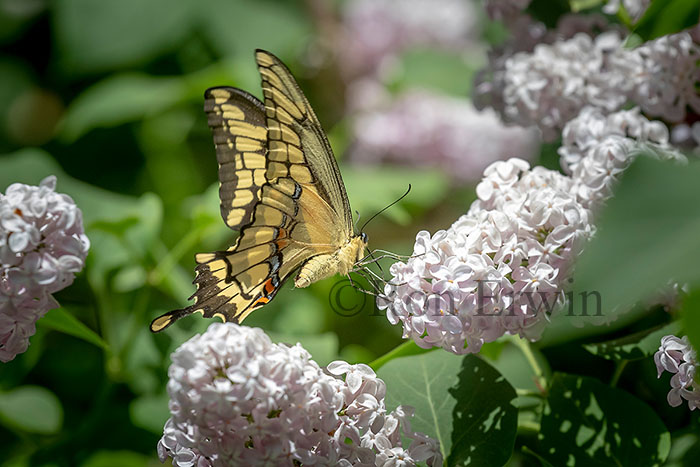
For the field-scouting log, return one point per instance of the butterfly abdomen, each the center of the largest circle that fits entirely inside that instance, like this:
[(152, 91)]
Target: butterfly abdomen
[(340, 262)]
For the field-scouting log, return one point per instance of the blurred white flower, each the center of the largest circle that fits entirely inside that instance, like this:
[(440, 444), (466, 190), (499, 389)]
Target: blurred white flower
[(430, 130), (669, 76), (634, 8), (42, 246), (676, 356), (236, 398), (375, 30), (687, 137), (498, 269)]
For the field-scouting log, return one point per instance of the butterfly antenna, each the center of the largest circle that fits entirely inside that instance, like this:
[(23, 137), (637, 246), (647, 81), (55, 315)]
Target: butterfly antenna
[(357, 213), (402, 197)]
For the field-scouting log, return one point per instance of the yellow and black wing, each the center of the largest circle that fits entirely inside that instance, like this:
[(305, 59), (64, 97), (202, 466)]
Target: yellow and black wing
[(296, 140), (298, 211), (237, 122)]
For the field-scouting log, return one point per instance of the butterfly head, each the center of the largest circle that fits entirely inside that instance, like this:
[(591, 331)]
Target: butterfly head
[(364, 237)]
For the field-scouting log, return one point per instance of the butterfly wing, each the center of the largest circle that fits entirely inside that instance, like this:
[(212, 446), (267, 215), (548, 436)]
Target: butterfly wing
[(237, 122), (297, 143), (300, 210)]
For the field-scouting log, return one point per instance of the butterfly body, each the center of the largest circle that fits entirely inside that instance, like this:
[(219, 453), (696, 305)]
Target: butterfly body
[(280, 186), (324, 266)]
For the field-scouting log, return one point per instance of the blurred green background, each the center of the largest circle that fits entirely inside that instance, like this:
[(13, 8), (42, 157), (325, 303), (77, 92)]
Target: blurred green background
[(107, 95)]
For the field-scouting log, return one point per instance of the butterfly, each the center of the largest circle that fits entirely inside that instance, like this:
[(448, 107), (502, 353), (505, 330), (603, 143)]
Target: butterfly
[(281, 188)]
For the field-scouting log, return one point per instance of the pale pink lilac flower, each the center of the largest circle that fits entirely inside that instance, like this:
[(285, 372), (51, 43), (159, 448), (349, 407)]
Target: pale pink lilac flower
[(676, 356), (525, 34), (549, 84), (236, 398), (424, 129), (597, 148), (498, 269), (377, 30), (42, 247), (669, 76)]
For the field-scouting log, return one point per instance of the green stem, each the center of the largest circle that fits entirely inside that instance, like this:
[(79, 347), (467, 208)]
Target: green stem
[(528, 393), (525, 348), (403, 350), (619, 368), (624, 18), (528, 428), (139, 308), (168, 262)]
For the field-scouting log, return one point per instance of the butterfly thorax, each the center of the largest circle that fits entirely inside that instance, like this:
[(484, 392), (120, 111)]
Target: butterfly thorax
[(340, 262)]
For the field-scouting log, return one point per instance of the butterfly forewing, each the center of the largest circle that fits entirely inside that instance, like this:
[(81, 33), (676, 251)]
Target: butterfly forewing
[(297, 144), (237, 122)]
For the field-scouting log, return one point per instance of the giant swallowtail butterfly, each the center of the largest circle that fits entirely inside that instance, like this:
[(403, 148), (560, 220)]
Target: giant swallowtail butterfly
[(281, 187)]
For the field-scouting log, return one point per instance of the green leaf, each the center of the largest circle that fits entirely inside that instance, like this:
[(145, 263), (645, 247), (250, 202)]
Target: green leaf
[(31, 409), (117, 100), (16, 79), (242, 26), (97, 36), (647, 236), (31, 165), (373, 188), (586, 422), (461, 401), (664, 17), (61, 320), (150, 412), (432, 69), (690, 311), (635, 346), (129, 278), (112, 458)]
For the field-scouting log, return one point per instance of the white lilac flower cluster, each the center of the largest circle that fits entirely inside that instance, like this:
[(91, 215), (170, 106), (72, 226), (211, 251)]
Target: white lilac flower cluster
[(519, 239), (532, 44), (666, 74), (424, 129), (42, 246), (236, 398), (550, 86), (377, 30), (676, 356), (583, 63), (497, 269), (596, 148)]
